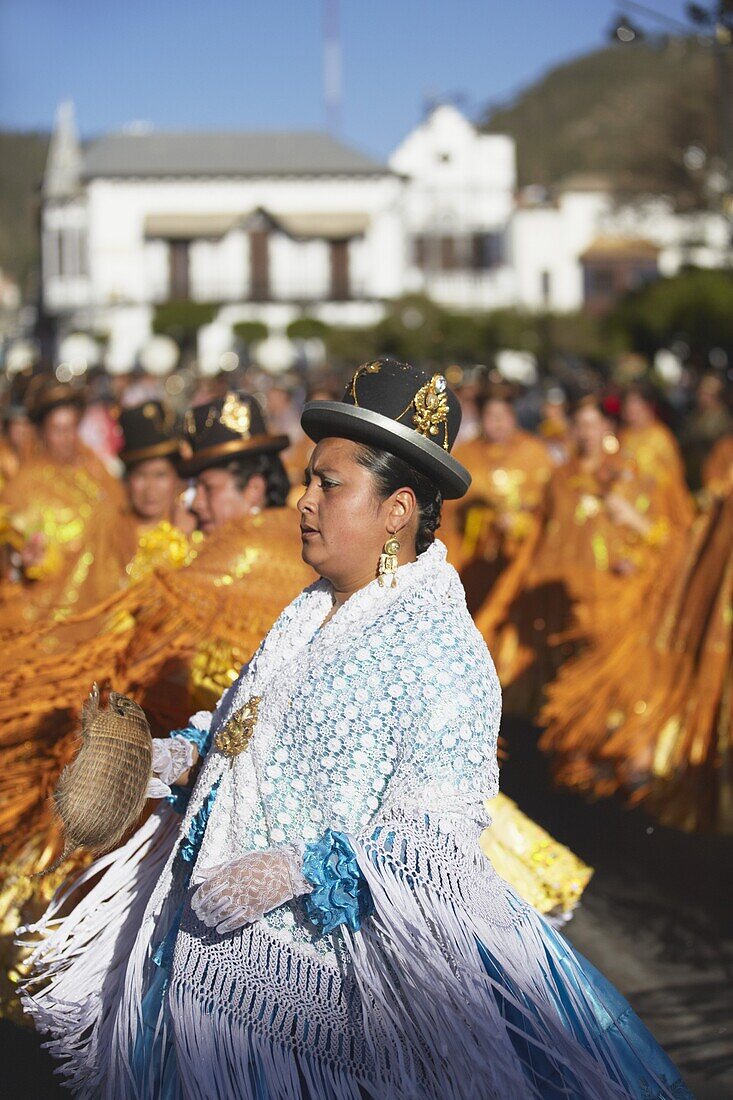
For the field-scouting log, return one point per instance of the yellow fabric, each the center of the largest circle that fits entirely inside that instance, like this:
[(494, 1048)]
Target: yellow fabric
[(718, 469), (542, 871), (657, 456)]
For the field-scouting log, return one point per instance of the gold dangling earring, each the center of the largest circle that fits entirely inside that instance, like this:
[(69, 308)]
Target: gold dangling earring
[(387, 568)]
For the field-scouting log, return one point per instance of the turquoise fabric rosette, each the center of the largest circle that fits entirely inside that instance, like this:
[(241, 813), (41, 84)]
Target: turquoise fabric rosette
[(340, 892)]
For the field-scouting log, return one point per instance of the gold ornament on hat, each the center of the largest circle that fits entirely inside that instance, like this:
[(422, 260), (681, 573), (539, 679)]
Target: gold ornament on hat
[(431, 409), (236, 416), (367, 368)]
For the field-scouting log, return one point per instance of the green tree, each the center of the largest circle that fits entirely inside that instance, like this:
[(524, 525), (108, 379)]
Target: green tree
[(250, 332), (695, 306)]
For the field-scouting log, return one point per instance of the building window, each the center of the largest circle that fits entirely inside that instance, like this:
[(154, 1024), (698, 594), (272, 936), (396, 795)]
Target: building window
[(487, 251), (52, 258), (449, 253), (179, 285), (339, 252), (65, 253), (474, 252), (259, 265)]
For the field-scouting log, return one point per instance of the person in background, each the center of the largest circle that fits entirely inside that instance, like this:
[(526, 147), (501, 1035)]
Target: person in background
[(717, 475), (554, 426), (54, 501), (147, 528), (654, 449), (709, 421), (604, 527), (647, 712), (468, 392), (498, 518), (18, 443), (17, 447)]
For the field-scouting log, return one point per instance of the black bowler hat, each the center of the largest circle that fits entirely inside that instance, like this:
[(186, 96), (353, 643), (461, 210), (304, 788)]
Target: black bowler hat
[(401, 409), (231, 426), (149, 431)]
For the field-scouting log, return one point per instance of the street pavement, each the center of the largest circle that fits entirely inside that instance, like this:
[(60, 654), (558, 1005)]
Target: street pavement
[(656, 920)]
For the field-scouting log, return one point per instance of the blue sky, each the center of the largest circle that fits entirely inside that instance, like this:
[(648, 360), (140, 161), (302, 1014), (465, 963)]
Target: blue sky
[(257, 64)]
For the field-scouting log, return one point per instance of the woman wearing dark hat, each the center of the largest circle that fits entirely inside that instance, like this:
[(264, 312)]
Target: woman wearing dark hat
[(324, 925)]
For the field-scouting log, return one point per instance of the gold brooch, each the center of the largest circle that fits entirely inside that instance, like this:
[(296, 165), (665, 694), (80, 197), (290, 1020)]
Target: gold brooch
[(235, 735), (235, 415), (431, 408)]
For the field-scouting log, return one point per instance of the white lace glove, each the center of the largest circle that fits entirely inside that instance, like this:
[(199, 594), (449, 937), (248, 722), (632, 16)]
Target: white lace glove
[(243, 890), (172, 757)]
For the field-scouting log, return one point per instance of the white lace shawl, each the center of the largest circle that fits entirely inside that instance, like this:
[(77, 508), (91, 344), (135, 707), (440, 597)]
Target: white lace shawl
[(382, 723)]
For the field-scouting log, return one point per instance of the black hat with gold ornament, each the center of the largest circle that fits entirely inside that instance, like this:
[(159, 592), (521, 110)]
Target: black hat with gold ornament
[(404, 410), (45, 393), (228, 427), (149, 431)]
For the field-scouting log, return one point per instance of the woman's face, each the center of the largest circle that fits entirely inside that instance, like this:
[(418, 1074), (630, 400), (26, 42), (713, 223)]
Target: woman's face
[(20, 435), (343, 523), (60, 433), (637, 412), (498, 422), (590, 427), (153, 486), (220, 498)]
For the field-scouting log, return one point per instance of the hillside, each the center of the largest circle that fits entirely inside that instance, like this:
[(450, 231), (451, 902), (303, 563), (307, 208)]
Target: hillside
[(22, 157), (625, 111)]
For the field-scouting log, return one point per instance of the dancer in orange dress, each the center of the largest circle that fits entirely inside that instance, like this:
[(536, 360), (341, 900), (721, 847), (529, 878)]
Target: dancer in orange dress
[(647, 712), (554, 427), (604, 527), (121, 542), (655, 450), (718, 468), (498, 519), (52, 505), (18, 443)]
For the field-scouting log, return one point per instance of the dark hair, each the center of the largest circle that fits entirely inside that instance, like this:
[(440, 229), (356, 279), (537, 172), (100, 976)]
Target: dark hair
[(645, 391), (268, 466), (392, 473)]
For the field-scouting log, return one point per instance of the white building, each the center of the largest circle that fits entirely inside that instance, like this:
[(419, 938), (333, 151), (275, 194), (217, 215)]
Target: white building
[(457, 205), (268, 226), (579, 248), (264, 225)]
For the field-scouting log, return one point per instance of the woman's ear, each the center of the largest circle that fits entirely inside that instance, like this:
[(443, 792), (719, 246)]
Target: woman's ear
[(402, 508)]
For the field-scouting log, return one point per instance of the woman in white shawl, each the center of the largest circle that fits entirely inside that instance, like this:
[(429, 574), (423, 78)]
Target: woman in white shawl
[(322, 924)]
